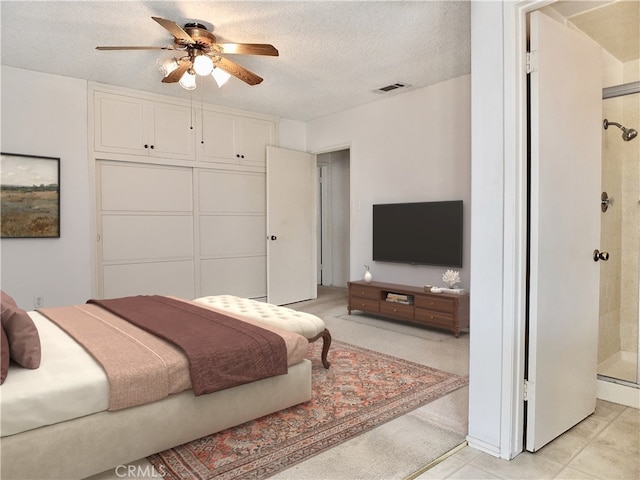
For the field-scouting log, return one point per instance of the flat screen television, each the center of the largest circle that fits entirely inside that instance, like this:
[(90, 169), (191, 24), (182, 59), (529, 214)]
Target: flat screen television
[(421, 233)]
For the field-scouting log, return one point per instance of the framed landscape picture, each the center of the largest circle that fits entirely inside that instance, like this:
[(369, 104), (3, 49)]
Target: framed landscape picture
[(29, 196)]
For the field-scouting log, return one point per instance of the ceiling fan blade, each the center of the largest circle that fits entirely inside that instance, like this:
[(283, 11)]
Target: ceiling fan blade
[(176, 75), (135, 48), (248, 49), (175, 30), (238, 71)]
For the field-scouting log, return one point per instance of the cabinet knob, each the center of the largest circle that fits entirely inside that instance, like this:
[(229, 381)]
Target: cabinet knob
[(146, 146), (151, 147)]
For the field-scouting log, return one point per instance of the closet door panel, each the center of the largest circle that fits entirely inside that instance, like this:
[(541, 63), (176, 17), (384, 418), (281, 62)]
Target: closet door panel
[(144, 188), (241, 276), (136, 237), (232, 235), (231, 192), (157, 278)]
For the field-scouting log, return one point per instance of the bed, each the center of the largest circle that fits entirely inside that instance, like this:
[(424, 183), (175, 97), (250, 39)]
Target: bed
[(63, 419)]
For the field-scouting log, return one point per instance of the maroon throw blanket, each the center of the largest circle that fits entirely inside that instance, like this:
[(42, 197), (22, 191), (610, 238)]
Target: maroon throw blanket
[(223, 352)]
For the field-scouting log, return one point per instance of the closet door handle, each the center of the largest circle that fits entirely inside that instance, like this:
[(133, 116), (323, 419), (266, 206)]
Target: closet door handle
[(598, 255)]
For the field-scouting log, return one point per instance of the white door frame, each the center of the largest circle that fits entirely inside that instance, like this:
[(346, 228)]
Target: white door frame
[(515, 222), (325, 272), (497, 396)]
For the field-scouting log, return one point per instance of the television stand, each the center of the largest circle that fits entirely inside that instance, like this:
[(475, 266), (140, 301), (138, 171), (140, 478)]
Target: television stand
[(446, 311)]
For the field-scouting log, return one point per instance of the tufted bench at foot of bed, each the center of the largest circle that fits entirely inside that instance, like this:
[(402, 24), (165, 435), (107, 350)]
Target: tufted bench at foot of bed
[(309, 326)]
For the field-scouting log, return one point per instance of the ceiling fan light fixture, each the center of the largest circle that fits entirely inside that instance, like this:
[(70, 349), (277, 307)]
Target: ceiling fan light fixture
[(188, 80), (220, 76), (167, 65), (203, 65)]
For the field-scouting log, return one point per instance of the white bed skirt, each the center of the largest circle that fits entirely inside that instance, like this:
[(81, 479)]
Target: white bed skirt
[(98, 442)]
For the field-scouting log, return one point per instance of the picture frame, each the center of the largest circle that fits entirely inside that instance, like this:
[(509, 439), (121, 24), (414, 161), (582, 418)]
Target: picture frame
[(29, 196)]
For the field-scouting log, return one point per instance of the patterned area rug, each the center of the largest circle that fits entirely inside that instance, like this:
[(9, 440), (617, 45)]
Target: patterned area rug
[(361, 390)]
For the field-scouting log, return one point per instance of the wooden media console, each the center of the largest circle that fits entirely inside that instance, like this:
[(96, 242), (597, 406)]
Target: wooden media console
[(447, 311)]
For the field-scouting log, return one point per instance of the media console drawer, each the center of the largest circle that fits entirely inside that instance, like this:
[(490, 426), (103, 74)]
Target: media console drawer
[(429, 317), (440, 310), (435, 303), (397, 310), (364, 304), (365, 291)]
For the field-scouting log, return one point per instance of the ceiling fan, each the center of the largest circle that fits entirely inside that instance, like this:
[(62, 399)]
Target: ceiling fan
[(201, 54)]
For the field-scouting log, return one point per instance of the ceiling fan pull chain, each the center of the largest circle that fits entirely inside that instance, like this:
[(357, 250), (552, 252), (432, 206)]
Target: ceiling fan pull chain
[(191, 112), (201, 120)]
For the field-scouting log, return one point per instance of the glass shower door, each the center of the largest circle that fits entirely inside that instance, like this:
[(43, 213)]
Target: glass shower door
[(619, 282)]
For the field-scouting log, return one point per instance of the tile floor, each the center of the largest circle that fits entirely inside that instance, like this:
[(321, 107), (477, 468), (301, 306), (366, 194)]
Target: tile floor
[(605, 446)]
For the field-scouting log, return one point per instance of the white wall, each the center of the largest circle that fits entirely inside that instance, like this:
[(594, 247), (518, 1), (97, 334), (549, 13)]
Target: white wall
[(414, 146), (487, 226), (46, 115)]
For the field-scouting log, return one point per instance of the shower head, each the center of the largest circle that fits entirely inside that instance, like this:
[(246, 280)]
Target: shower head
[(627, 133)]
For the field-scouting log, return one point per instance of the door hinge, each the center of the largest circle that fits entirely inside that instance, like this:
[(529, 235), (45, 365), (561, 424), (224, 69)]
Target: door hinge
[(527, 390), (532, 61)]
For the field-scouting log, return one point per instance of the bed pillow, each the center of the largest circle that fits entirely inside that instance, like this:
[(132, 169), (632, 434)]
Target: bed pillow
[(4, 352), (22, 334)]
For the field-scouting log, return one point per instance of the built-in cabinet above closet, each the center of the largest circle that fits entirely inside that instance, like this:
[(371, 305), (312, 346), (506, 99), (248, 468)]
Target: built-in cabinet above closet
[(135, 126), (131, 125), (233, 140), (180, 196)]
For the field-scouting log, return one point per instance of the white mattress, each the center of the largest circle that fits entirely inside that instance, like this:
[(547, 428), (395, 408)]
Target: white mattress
[(68, 384)]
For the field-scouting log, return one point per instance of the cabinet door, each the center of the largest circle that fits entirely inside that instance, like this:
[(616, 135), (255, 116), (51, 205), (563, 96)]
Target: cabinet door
[(217, 138), (173, 134), (120, 124), (253, 139), (136, 126)]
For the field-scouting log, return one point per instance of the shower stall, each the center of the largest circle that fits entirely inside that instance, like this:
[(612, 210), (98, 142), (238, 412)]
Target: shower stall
[(618, 345)]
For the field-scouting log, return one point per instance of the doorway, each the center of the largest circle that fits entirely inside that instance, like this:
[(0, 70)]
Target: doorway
[(333, 218)]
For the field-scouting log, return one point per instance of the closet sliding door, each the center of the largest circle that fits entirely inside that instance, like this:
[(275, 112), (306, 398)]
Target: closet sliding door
[(231, 236), (145, 230)]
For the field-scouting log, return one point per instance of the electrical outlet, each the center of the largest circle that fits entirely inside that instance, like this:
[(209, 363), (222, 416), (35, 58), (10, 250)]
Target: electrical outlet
[(38, 301)]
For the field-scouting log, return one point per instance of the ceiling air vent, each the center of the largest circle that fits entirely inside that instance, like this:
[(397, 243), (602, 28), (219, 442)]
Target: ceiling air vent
[(390, 88)]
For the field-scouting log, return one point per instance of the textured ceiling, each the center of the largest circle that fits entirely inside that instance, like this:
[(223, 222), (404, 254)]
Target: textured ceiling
[(333, 54), (615, 25)]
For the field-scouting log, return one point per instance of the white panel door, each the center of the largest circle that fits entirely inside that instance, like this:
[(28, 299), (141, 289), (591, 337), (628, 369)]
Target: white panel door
[(291, 226), (566, 132)]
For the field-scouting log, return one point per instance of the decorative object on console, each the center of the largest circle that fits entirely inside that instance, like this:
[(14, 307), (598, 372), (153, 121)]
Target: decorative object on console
[(202, 55), (367, 274), (451, 277)]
